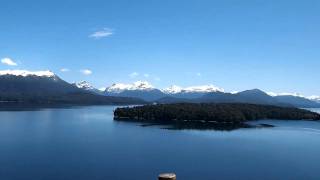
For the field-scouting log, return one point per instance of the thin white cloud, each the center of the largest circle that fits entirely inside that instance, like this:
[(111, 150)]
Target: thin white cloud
[(8, 61), (146, 75), (134, 74), (198, 74), (105, 32), (157, 79), (86, 71), (64, 70)]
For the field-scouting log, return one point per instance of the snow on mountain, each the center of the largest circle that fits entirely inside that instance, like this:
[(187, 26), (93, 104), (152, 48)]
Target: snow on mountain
[(88, 87), (314, 98), (118, 87), (139, 85), (84, 85), (193, 89), (204, 89), (285, 94), (144, 87), (102, 89), (172, 89), (25, 73)]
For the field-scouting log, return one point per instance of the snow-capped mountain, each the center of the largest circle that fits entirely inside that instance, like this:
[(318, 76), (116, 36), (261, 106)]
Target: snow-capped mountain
[(314, 98), (285, 94), (102, 89), (191, 92), (206, 93), (120, 87), (173, 90), (88, 87), (139, 89), (193, 89), (146, 91), (25, 73), (202, 89), (84, 85), (45, 87), (18, 82)]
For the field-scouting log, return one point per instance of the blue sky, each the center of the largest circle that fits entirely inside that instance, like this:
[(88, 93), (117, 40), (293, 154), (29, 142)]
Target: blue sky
[(234, 44)]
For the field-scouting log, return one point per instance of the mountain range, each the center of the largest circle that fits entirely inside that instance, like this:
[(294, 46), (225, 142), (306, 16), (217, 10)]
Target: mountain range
[(144, 90), (47, 87), (139, 89), (206, 94)]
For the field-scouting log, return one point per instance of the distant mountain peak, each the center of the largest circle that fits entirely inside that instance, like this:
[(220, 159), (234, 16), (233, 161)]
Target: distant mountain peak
[(174, 89), (84, 85), (256, 90), (204, 89), (253, 91), (142, 85), (25, 73), (192, 89), (139, 85)]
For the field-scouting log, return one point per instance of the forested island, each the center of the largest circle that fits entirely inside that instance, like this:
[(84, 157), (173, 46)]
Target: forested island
[(223, 113)]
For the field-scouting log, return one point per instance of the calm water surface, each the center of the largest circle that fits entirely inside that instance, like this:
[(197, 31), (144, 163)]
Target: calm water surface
[(86, 144)]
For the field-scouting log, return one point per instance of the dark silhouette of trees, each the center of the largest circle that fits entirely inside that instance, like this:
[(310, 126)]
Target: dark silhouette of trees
[(216, 113)]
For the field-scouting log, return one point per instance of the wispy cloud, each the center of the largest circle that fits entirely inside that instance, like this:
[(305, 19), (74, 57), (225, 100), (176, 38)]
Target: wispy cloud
[(134, 74), (157, 79), (64, 70), (146, 75), (86, 71), (105, 32), (198, 74), (8, 61)]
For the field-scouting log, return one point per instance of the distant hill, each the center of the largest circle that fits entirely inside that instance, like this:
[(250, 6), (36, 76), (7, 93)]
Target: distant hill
[(254, 96), (297, 101), (151, 95), (172, 100)]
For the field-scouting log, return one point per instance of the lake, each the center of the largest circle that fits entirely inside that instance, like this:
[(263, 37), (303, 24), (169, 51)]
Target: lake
[(84, 143)]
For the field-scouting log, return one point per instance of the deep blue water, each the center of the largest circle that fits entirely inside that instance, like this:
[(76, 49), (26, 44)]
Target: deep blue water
[(86, 144)]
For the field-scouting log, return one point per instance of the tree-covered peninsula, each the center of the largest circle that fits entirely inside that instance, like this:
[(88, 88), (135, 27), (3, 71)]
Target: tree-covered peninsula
[(211, 113)]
